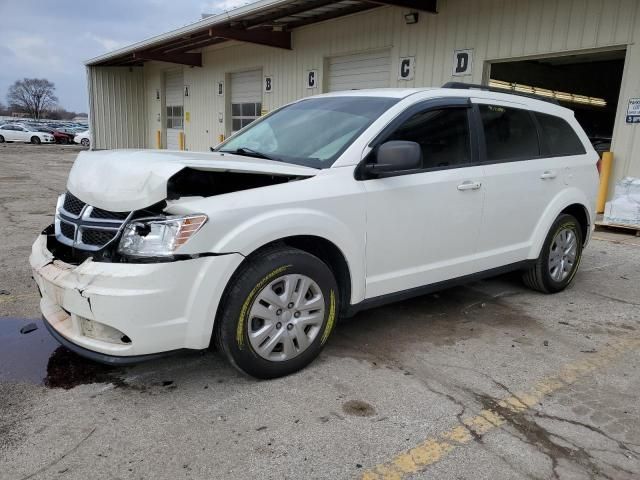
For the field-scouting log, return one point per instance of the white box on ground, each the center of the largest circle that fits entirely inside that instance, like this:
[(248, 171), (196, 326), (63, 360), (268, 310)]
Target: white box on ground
[(624, 209)]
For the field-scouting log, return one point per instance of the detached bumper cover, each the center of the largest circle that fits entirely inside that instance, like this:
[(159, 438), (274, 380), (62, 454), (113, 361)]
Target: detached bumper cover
[(158, 307)]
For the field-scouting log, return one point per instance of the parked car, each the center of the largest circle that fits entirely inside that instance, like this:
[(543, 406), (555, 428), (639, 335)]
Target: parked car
[(58, 136), (15, 132), (325, 207), (83, 139)]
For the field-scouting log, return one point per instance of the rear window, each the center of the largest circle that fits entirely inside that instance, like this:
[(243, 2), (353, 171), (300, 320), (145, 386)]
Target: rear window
[(561, 139), (510, 133)]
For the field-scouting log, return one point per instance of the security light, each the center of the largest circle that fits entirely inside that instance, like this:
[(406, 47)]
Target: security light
[(411, 18)]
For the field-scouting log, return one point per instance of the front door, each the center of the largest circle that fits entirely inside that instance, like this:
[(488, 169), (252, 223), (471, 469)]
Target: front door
[(422, 227)]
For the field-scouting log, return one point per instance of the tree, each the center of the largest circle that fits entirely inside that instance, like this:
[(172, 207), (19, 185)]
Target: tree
[(32, 95)]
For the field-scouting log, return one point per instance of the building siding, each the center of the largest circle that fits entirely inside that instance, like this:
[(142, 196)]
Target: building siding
[(117, 107), (496, 30)]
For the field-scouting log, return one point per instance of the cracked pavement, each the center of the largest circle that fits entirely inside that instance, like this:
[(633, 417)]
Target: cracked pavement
[(486, 381)]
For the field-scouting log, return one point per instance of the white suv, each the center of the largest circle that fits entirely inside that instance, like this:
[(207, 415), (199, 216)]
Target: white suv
[(322, 208)]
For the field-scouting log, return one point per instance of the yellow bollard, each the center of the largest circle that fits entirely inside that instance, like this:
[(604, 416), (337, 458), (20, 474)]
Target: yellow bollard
[(181, 140), (605, 173), (158, 140)]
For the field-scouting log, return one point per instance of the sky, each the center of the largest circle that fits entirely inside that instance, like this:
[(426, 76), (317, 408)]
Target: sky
[(52, 38)]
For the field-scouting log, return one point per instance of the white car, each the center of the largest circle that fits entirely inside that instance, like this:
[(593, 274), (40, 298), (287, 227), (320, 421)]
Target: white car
[(323, 208), (83, 138), (14, 132)]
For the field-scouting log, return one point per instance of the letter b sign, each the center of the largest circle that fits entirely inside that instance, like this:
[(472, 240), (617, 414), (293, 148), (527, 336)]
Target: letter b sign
[(462, 62)]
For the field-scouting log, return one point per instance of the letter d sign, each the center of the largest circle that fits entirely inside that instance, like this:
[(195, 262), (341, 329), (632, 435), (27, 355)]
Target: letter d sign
[(462, 62)]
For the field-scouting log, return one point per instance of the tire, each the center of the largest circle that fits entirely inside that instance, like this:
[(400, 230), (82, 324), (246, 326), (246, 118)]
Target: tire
[(35, 140), (85, 142), (543, 276), (237, 330), (1, 139)]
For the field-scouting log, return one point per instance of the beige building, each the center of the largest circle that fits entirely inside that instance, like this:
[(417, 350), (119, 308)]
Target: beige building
[(191, 87)]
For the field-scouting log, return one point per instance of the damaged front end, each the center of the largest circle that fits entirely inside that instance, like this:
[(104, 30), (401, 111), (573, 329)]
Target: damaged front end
[(115, 282)]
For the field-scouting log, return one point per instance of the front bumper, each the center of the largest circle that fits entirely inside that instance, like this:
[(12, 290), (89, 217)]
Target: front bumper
[(152, 308)]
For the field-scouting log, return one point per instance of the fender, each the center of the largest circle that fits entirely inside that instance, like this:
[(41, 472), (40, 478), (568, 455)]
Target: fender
[(268, 227), (562, 200)]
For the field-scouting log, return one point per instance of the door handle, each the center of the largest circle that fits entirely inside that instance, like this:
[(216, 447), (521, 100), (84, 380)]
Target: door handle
[(548, 175), (469, 185)]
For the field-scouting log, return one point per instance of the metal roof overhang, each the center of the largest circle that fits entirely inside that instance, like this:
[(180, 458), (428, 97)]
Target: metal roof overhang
[(266, 22)]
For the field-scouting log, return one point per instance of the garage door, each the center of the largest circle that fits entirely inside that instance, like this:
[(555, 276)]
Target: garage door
[(174, 100), (246, 98), (362, 70)]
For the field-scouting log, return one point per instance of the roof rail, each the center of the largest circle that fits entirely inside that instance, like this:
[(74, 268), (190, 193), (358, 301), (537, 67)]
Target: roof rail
[(473, 86)]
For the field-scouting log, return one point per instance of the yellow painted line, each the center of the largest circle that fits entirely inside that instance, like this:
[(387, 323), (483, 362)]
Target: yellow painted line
[(13, 298), (435, 448)]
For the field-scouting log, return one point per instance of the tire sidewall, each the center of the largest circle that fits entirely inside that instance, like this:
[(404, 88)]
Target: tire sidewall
[(562, 222), (1, 139), (35, 140), (244, 288)]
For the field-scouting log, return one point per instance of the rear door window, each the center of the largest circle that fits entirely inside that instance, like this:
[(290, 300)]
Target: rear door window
[(558, 135), (510, 133)]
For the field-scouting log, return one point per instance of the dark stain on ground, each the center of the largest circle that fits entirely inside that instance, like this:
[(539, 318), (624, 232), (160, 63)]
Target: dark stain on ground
[(38, 358), (442, 319), (535, 435), (358, 408)]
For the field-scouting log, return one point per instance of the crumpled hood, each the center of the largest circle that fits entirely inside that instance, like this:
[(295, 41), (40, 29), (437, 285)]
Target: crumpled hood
[(125, 180)]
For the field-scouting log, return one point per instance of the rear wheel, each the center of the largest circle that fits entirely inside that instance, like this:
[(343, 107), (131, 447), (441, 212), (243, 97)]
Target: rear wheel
[(560, 257), (1, 139), (84, 142), (35, 140), (278, 313)]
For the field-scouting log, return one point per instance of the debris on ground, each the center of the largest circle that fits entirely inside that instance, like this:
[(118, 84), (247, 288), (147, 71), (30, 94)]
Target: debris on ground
[(28, 328)]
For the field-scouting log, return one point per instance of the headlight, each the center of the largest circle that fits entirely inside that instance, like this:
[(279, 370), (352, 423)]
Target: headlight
[(158, 237)]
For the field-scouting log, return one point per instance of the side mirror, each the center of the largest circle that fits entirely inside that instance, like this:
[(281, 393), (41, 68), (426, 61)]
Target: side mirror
[(396, 156)]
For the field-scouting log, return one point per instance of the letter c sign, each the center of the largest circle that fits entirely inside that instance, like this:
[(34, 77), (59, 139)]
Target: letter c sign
[(406, 68), (312, 79)]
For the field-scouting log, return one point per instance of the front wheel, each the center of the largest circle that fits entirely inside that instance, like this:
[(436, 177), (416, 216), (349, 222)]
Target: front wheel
[(1, 139), (278, 312), (35, 140), (85, 142), (559, 259)]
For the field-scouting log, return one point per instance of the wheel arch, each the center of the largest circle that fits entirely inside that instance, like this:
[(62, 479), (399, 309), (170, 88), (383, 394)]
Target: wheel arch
[(325, 250), (581, 214), (571, 201)]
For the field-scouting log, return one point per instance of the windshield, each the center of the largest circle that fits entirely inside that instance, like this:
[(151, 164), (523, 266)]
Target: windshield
[(311, 132)]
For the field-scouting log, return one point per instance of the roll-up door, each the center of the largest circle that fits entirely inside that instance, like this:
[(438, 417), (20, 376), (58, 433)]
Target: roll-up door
[(174, 102), (360, 70), (246, 98)]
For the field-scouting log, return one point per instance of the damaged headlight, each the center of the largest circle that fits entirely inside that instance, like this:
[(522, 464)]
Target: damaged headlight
[(158, 237)]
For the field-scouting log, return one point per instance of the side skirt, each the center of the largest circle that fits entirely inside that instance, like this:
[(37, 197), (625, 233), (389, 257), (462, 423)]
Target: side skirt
[(433, 287)]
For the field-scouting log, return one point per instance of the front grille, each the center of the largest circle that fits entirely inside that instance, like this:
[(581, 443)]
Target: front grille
[(95, 237), (96, 227), (107, 215), (72, 204), (68, 230)]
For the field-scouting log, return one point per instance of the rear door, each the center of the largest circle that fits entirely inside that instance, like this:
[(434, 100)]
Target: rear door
[(520, 180), (423, 225)]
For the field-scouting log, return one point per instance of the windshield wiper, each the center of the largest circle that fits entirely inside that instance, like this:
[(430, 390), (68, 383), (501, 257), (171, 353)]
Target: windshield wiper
[(249, 152)]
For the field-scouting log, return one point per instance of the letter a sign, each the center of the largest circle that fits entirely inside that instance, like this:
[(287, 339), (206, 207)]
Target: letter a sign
[(462, 62)]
